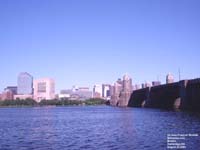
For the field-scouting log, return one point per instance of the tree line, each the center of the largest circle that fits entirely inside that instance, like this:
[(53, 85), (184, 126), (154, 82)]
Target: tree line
[(53, 102)]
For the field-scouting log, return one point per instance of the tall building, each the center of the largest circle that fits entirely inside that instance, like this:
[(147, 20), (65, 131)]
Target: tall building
[(127, 83), (116, 90), (44, 89), (24, 84), (126, 92), (119, 80), (97, 91), (169, 78), (105, 90)]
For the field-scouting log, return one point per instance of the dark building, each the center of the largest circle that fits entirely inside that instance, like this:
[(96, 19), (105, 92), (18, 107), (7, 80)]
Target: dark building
[(156, 83), (13, 89)]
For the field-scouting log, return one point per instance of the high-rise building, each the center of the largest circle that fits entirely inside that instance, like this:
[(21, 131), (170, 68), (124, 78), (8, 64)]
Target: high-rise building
[(24, 83), (126, 92), (169, 78), (44, 89), (105, 90), (97, 91), (115, 93), (127, 83), (119, 80)]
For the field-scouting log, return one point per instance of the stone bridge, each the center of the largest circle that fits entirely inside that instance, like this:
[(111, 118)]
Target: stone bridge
[(184, 95)]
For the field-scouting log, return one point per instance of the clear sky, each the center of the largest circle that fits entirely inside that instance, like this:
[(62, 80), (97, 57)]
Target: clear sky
[(83, 42)]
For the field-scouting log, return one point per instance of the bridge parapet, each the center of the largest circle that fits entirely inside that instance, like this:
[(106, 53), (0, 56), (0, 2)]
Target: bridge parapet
[(184, 94)]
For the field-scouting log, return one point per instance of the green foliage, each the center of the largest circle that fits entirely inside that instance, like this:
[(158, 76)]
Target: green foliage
[(54, 102), (59, 102), (95, 101), (18, 102)]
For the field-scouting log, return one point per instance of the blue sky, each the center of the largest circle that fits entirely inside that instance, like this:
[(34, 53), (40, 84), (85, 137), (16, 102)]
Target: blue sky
[(81, 43)]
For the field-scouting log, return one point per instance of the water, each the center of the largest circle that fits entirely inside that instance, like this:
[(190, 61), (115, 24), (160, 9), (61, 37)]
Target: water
[(94, 127)]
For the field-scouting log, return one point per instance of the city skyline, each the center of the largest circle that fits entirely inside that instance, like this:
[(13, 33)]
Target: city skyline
[(169, 76), (94, 42)]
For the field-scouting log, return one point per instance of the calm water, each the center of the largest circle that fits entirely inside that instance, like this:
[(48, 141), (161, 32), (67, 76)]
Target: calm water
[(94, 127)]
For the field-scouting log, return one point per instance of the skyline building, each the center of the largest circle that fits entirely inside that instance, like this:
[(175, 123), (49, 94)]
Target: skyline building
[(127, 83), (117, 88), (80, 93), (7, 95), (12, 88), (169, 78), (24, 84), (105, 90), (44, 88), (97, 91), (126, 91), (156, 83)]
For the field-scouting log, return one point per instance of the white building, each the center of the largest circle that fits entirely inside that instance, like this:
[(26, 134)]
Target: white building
[(44, 89), (105, 90), (97, 91), (127, 83), (169, 78)]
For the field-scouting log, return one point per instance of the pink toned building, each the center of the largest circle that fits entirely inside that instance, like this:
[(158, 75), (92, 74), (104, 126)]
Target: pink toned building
[(44, 89), (7, 95)]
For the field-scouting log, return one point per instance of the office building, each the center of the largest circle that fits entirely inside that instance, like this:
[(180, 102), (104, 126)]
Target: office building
[(44, 89), (116, 90), (97, 91), (105, 90), (126, 92), (13, 89), (24, 83), (7, 95)]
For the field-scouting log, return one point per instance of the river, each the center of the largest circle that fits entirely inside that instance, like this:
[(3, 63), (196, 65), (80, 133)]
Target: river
[(95, 128)]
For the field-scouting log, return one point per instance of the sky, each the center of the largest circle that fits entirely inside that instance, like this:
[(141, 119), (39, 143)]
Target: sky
[(91, 42)]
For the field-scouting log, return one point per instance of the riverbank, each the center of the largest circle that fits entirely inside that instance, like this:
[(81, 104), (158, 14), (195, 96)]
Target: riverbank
[(54, 102)]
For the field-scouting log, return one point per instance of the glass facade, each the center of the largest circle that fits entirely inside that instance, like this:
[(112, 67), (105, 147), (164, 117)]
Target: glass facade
[(24, 83)]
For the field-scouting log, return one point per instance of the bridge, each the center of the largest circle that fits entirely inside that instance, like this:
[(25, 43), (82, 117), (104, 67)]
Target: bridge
[(184, 95)]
